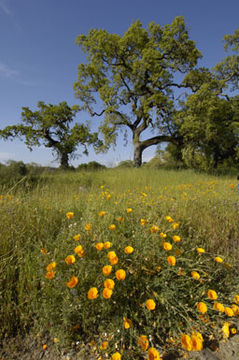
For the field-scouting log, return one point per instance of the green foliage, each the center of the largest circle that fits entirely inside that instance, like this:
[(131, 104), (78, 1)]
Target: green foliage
[(134, 76), (92, 165)]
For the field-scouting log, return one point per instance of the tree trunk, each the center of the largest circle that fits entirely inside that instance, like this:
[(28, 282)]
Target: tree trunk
[(138, 150), (64, 161)]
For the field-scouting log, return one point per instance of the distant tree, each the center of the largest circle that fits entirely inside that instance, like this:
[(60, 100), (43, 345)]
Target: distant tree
[(51, 126), (134, 77)]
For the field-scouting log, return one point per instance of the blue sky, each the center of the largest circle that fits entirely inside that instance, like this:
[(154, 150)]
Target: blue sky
[(39, 58)]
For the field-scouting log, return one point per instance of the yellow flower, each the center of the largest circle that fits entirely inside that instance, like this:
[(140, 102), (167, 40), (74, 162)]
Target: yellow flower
[(153, 354), (233, 331), (99, 246), (143, 342), (69, 215), (197, 342), (158, 268), (167, 246), (73, 282), (202, 307), (120, 274), (107, 293), (43, 251), (116, 356), (70, 259), (175, 226), (235, 309), (92, 293), (195, 275), (88, 227), (225, 329), (76, 237), (212, 294), (154, 229), (229, 312), (127, 323), (163, 235), (81, 253), (114, 260), (111, 255), (236, 299), (176, 238), (51, 266), (200, 250), (107, 245), (44, 347), (218, 259), (104, 345), (120, 219), (112, 227), (107, 270), (172, 260), (109, 284), (129, 210), (150, 304), (143, 222), (77, 249), (186, 342), (218, 306), (50, 274), (102, 214), (169, 219), (128, 249)]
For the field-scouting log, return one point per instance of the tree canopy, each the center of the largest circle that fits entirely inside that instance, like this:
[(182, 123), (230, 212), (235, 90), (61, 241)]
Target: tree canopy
[(134, 77)]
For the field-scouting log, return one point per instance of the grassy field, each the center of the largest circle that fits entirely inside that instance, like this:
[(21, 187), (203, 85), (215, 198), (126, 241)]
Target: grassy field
[(148, 227)]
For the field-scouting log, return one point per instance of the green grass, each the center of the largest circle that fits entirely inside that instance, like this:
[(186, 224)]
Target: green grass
[(33, 217)]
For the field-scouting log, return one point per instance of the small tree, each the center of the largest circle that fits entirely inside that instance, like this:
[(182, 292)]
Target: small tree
[(134, 76), (51, 126)]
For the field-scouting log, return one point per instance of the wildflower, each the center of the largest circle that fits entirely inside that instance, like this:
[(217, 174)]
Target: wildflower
[(114, 260), (186, 342), (128, 249), (112, 227), (233, 331), (172, 260), (236, 299), (143, 342), (120, 219), (129, 210), (108, 196), (107, 270), (70, 259), (81, 253), (200, 250), (92, 293), (202, 307), (143, 222), (127, 323), (176, 238), (197, 342), (167, 246), (153, 354), (88, 227), (218, 259), (150, 304), (102, 214), (158, 268), (229, 312), (195, 275), (218, 306), (43, 251), (73, 282), (56, 340), (154, 229), (116, 356), (44, 347), (235, 309), (225, 329), (111, 255), (169, 219), (107, 293), (51, 266), (78, 249), (77, 237), (50, 274), (120, 274), (212, 294), (107, 245), (175, 226), (163, 235), (69, 215), (99, 246), (104, 345), (109, 284)]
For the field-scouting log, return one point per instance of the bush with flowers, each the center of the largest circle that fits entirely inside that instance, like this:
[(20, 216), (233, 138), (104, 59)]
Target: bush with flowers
[(126, 276)]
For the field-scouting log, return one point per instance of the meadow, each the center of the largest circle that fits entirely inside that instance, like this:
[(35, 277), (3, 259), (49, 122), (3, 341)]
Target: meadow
[(136, 262)]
